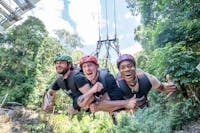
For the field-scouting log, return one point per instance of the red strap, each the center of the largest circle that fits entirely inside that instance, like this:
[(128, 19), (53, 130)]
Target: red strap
[(120, 78), (74, 70)]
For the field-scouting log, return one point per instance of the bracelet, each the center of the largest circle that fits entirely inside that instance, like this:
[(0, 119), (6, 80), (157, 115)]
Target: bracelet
[(161, 87)]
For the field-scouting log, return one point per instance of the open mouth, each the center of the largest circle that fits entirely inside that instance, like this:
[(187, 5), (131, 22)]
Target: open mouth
[(88, 74), (128, 76), (58, 68)]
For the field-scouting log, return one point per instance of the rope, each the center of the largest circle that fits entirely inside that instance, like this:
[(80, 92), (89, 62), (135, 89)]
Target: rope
[(115, 21), (108, 43), (99, 20), (106, 18)]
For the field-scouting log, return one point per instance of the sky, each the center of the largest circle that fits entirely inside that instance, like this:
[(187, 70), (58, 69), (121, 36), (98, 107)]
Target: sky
[(85, 17)]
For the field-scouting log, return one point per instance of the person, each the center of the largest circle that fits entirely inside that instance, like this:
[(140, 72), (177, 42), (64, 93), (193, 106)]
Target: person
[(72, 83), (110, 97), (131, 84)]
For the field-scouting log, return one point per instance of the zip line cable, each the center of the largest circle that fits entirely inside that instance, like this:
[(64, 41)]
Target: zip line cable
[(106, 19), (115, 20), (108, 43), (99, 24)]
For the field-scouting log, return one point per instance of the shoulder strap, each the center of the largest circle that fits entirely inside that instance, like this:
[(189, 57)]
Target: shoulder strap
[(144, 84), (67, 88), (124, 88), (104, 72)]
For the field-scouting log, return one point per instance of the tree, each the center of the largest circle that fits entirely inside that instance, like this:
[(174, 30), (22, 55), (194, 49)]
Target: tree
[(18, 58), (69, 40)]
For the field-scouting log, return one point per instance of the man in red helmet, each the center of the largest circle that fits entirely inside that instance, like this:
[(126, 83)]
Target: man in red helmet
[(131, 84), (110, 97)]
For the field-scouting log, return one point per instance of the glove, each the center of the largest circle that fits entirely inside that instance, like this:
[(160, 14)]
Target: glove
[(47, 102)]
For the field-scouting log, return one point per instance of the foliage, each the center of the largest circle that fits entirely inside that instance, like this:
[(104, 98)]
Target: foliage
[(182, 111), (166, 21), (68, 40), (27, 60), (170, 36), (18, 56)]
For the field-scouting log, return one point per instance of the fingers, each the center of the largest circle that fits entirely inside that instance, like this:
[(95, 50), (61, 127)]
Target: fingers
[(47, 107), (169, 86), (97, 87), (132, 103), (139, 72), (93, 108), (47, 102), (71, 110), (168, 78)]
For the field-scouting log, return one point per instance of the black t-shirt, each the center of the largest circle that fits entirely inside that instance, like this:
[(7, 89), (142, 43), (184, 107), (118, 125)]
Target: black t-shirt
[(111, 87), (75, 81)]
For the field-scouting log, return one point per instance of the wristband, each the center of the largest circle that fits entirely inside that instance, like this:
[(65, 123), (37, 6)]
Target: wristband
[(161, 87)]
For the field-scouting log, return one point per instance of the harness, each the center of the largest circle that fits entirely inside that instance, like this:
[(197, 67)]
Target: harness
[(103, 73), (144, 88), (70, 88)]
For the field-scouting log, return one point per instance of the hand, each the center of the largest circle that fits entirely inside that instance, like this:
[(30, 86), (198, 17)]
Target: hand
[(132, 104), (169, 86), (71, 110), (93, 108), (142, 102), (97, 87), (139, 72), (47, 102)]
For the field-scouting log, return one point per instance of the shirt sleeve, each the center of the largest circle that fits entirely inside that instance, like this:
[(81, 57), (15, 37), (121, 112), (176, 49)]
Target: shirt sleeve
[(113, 90), (55, 85), (80, 80)]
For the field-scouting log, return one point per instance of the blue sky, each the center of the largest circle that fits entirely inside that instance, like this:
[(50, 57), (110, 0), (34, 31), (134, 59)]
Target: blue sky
[(82, 17)]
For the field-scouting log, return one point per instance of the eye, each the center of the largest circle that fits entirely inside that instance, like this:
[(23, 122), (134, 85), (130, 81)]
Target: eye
[(130, 66), (121, 67)]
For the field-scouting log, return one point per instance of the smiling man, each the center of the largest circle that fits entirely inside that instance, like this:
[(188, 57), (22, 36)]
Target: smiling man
[(131, 84)]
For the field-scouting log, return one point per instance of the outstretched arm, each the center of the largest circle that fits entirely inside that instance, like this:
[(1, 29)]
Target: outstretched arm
[(166, 87), (109, 106)]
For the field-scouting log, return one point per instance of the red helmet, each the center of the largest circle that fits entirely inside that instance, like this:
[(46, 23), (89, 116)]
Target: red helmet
[(88, 58), (125, 57)]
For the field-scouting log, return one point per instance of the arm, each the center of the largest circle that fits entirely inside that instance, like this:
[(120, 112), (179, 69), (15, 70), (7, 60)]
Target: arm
[(113, 99), (48, 96), (48, 100), (166, 87), (110, 106), (87, 97)]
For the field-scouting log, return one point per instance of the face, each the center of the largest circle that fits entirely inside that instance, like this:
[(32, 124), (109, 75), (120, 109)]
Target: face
[(61, 66), (127, 70), (90, 70)]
